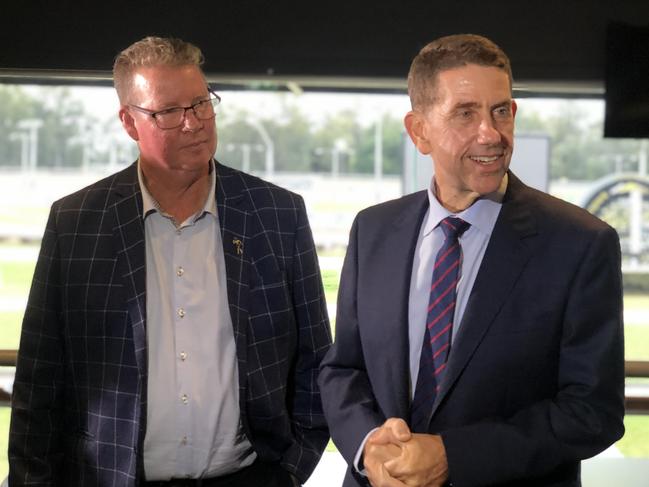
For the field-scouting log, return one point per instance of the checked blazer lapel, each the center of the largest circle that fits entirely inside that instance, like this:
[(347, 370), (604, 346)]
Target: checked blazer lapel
[(128, 238), (234, 209), (505, 258)]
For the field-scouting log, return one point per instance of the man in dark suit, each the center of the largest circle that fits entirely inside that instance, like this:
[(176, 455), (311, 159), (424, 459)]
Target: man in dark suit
[(176, 319), (479, 336)]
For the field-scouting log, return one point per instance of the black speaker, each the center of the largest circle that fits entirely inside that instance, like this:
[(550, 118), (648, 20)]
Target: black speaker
[(627, 81)]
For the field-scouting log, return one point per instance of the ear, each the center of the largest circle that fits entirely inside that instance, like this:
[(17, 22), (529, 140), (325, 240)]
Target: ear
[(514, 108), (128, 122), (415, 123)]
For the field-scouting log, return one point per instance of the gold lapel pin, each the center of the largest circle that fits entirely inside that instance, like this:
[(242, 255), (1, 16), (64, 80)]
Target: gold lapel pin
[(239, 245)]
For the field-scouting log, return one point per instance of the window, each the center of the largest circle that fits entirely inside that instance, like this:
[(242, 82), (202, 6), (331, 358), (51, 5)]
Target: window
[(341, 151)]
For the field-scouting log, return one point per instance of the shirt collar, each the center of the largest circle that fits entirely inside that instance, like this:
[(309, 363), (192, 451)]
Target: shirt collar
[(482, 214), (149, 204)]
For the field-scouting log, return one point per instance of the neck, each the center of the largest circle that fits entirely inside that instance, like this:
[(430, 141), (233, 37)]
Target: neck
[(455, 202), (179, 193)]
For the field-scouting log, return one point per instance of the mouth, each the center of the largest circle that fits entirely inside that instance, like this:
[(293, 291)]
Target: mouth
[(195, 145), (486, 160)]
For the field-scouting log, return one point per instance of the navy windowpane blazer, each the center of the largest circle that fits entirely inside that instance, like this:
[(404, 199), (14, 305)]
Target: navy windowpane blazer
[(79, 398)]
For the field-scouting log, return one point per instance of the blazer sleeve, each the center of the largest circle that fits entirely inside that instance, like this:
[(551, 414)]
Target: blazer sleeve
[(35, 439), (349, 403), (313, 340), (585, 416)]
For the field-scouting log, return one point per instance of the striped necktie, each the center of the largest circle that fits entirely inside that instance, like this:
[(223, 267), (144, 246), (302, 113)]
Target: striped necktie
[(439, 323)]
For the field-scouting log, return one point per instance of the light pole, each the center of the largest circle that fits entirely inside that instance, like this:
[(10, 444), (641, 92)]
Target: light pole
[(245, 153), (29, 157), (339, 147), (268, 142), (378, 155), (24, 148)]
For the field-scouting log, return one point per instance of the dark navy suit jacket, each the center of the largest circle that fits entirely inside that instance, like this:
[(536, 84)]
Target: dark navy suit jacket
[(535, 379), (79, 397)]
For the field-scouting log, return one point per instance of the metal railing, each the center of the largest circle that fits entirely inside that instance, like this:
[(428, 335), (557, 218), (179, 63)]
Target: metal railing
[(635, 404)]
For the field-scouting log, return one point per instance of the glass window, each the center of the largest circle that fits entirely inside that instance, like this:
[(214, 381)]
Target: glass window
[(341, 151)]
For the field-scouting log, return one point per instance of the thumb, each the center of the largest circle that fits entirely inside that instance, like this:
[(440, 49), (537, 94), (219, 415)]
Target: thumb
[(394, 430)]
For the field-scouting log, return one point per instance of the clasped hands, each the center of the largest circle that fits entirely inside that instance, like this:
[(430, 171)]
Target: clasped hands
[(393, 456)]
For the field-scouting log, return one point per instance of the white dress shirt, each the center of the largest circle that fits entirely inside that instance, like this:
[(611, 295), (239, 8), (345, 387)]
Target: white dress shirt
[(193, 417)]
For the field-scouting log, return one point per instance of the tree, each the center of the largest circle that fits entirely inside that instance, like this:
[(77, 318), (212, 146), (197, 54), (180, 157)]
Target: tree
[(56, 115)]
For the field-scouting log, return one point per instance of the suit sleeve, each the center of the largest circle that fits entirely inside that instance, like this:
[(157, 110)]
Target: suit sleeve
[(585, 416), (349, 403), (35, 443), (313, 341)]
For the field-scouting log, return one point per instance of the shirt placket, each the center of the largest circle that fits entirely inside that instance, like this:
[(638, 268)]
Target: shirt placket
[(182, 331)]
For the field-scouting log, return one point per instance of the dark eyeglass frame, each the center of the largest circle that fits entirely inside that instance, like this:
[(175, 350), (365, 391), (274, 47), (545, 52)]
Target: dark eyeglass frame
[(214, 99)]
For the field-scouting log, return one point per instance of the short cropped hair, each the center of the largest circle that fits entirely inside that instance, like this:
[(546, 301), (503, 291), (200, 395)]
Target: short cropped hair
[(148, 52), (448, 53)]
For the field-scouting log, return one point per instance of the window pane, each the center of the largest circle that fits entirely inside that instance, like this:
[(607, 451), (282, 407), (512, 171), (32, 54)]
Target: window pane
[(342, 152)]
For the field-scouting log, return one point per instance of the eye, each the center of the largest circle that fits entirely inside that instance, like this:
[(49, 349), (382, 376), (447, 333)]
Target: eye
[(170, 111), (502, 112), (202, 105)]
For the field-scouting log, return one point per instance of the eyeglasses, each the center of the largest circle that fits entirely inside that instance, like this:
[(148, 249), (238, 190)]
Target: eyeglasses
[(174, 117)]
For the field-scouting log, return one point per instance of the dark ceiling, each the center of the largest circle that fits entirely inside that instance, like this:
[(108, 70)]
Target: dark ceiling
[(548, 41)]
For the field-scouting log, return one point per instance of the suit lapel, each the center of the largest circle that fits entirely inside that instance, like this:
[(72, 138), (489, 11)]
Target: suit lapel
[(128, 238), (390, 283), (234, 210), (505, 258)]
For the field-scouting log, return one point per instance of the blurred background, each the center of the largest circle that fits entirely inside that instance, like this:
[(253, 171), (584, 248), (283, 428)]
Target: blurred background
[(313, 100)]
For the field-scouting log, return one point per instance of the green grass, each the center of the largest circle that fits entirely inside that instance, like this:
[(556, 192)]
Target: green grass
[(15, 277), (635, 442), (4, 437), (10, 322), (637, 301), (18, 216), (636, 342), (330, 280)]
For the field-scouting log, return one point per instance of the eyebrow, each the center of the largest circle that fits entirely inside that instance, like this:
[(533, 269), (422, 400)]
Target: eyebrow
[(473, 104), (195, 100), (505, 103)]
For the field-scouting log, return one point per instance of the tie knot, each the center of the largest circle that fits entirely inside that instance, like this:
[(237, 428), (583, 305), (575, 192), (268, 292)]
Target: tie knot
[(453, 227)]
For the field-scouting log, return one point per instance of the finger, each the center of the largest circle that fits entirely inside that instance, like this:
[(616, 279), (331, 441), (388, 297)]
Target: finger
[(386, 480), (395, 467), (399, 428), (381, 453), (394, 430)]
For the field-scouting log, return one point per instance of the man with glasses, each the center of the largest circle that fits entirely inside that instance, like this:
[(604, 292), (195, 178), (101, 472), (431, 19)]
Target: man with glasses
[(177, 317)]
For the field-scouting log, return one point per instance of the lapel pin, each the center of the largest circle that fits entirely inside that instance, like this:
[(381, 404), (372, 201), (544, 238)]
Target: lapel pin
[(238, 245)]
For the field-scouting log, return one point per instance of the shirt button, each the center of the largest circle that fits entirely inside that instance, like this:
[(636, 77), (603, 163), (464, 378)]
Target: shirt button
[(181, 312), (184, 399), (183, 356), (180, 271), (178, 231)]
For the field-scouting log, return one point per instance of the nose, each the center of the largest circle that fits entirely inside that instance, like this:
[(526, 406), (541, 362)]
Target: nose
[(487, 132), (191, 122)]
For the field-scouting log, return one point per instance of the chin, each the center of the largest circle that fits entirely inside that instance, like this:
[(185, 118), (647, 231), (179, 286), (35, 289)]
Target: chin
[(489, 184)]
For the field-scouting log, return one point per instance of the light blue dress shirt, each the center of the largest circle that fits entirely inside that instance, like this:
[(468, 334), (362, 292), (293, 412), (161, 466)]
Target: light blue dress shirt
[(193, 417), (482, 216)]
